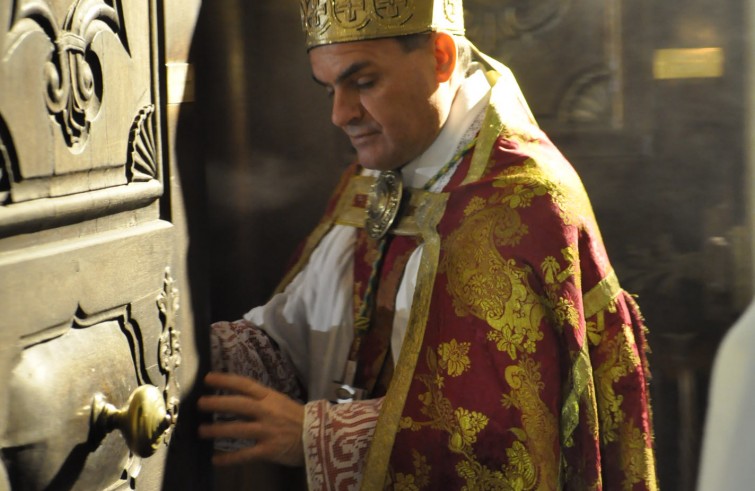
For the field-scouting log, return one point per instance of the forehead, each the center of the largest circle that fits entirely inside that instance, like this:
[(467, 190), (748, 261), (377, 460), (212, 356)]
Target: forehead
[(330, 60)]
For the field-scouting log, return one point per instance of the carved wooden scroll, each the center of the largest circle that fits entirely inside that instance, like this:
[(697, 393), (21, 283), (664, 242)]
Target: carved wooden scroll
[(583, 90), (77, 108)]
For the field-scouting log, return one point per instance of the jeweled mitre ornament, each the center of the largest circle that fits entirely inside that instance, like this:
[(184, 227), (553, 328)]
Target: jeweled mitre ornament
[(339, 21)]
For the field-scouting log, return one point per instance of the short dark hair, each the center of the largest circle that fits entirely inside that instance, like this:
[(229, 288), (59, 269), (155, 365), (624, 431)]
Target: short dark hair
[(410, 42)]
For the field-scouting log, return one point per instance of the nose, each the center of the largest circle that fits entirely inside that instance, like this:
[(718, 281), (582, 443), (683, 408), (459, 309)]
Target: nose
[(346, 108)]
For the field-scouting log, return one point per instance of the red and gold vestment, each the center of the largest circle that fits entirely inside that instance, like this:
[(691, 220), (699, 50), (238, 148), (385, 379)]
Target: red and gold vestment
[(524, 362)]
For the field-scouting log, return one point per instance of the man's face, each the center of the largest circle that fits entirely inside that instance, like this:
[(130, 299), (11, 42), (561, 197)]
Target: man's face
[(384, 99)]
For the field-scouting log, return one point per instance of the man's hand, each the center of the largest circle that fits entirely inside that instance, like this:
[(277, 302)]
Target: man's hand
[(270, 418)]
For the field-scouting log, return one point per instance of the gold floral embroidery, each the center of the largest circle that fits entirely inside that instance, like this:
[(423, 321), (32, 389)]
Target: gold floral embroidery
[(540, 426), (454, 357), (405, 482), (549, 176), (417, 481), (483, 284), (475, 204), (435, 407), (468, 425), (596, 328), (512, 478), (550, 268), (439, 411), (531, 464), (571, 257), (566, 313), (621, 360), (521, 467), (523, 194), (637, 458)]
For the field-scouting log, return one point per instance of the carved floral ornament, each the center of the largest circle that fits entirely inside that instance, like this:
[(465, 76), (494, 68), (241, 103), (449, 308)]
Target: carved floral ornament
[(88, 91), (169, 345), (142, 163), (513, 18), (73, 75)]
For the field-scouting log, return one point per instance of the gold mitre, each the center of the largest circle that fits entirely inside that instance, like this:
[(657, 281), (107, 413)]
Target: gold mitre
[(340, 21)]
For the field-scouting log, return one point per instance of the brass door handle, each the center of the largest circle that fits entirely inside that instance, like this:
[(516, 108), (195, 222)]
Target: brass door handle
[(142, 421)]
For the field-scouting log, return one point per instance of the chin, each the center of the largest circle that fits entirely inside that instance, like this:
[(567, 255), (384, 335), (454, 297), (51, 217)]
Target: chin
[(371, 164)]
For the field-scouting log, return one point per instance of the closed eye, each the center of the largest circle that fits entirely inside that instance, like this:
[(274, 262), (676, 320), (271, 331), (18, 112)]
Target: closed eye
[(366, 84)]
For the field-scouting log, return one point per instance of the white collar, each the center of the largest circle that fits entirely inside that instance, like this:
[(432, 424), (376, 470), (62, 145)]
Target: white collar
[(471, 98)]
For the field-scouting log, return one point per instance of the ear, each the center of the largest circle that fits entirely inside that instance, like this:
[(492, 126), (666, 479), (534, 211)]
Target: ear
[(444, 49)]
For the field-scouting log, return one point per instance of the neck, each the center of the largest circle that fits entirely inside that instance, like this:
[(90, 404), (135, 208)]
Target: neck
[(470, 98)]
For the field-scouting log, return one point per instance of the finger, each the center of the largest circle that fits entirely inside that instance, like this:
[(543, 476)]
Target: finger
[(235, 383), (240, 430), (233, 404)]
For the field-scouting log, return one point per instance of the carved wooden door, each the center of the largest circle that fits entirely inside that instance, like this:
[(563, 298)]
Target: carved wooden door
[(96, 325)]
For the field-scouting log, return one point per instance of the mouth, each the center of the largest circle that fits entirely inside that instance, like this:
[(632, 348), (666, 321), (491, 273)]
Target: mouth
[(362, 138)]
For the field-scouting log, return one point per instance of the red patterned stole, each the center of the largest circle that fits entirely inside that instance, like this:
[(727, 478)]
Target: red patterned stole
[(375, 366)]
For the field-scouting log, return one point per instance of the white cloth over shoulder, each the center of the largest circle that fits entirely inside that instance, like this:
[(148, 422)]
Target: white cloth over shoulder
[(729, 437)]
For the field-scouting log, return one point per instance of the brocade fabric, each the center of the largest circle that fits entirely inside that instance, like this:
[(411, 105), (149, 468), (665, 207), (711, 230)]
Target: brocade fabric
[(532, 370)]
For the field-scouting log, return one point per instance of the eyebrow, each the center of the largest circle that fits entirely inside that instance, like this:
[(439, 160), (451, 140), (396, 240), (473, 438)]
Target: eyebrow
[(351, 70)]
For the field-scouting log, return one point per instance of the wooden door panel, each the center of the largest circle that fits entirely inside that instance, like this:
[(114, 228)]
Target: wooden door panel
[(48, 443), (89, 245), (89, 316)]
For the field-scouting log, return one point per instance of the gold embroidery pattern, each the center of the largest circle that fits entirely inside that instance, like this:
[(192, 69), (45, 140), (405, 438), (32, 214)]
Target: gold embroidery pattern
[(548, 175), (596, 329), (518, 475), (460, 424), (621, 360), (552, 269), (483, 284), (475, 204), (435, 407), (565, 313), (532, 463), (465, 429), (540, 427), (417, 481), (454, 357), (637, 458)]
